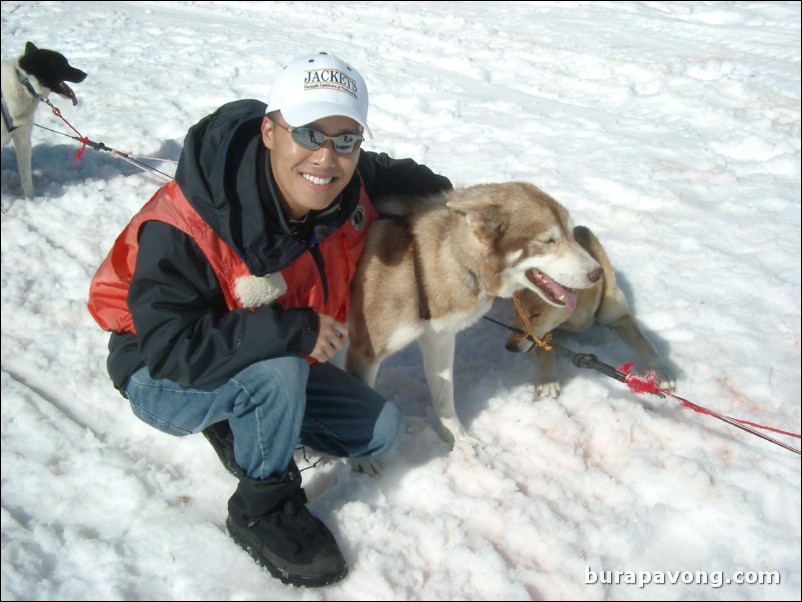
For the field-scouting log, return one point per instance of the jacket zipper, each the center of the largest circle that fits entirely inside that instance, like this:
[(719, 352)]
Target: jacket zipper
[(314, 250)]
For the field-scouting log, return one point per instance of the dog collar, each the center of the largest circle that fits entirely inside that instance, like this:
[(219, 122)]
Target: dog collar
[(23, 79)]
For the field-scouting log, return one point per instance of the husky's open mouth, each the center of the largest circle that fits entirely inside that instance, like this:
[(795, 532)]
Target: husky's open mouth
[(552, 291), (65, 91)]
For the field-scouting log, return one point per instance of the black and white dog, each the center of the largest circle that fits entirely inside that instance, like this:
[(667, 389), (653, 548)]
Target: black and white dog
[(26, 81)]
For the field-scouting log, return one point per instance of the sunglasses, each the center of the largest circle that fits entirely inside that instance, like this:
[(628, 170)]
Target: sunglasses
[(313, 140)]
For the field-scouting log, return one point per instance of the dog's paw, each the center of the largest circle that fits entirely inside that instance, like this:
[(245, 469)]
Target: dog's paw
[(662, 376), (368, 466), (454, 432), (467, 437), (550, 389), (459, 435), (666, 380)]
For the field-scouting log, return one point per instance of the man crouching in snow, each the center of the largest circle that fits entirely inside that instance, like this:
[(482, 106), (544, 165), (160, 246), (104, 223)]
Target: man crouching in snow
[(227, 295)]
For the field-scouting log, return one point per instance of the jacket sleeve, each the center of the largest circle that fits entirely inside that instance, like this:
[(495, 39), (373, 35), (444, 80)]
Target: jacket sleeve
[(383, 175), (185, 331)]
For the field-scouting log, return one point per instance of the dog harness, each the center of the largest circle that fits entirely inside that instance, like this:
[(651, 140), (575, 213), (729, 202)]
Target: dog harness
[(10, 127), (23, 79)]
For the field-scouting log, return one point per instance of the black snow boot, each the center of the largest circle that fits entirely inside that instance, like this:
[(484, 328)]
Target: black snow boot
[(269, 519), (222, 440)]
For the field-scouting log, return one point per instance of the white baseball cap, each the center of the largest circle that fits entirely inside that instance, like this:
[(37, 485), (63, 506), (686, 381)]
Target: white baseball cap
[(316, 86)]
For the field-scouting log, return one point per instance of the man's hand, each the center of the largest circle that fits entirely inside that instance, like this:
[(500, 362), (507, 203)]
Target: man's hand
[(330, 338)]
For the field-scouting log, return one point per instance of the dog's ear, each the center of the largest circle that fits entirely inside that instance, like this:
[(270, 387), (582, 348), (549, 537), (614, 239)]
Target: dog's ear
[(30, 47), (484, 217)]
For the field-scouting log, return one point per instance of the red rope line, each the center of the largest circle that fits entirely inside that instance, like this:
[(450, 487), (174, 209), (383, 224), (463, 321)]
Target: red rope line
[(648, 384), (83, 139)]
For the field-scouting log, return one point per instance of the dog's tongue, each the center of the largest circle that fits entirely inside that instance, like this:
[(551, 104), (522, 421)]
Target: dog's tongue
[(569, 297), (67, 92), (559, 294)]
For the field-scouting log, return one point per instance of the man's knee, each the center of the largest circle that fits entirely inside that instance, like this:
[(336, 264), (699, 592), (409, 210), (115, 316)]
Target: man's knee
[(276, 378)]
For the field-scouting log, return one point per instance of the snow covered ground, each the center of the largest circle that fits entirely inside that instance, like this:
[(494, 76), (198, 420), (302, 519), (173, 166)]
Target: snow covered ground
[(670, 128)]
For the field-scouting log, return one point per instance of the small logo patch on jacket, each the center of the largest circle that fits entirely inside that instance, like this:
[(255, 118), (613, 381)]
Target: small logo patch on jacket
[(358, 218)]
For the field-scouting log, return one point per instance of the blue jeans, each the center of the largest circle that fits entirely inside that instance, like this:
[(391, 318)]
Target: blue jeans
[(272, 406)]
